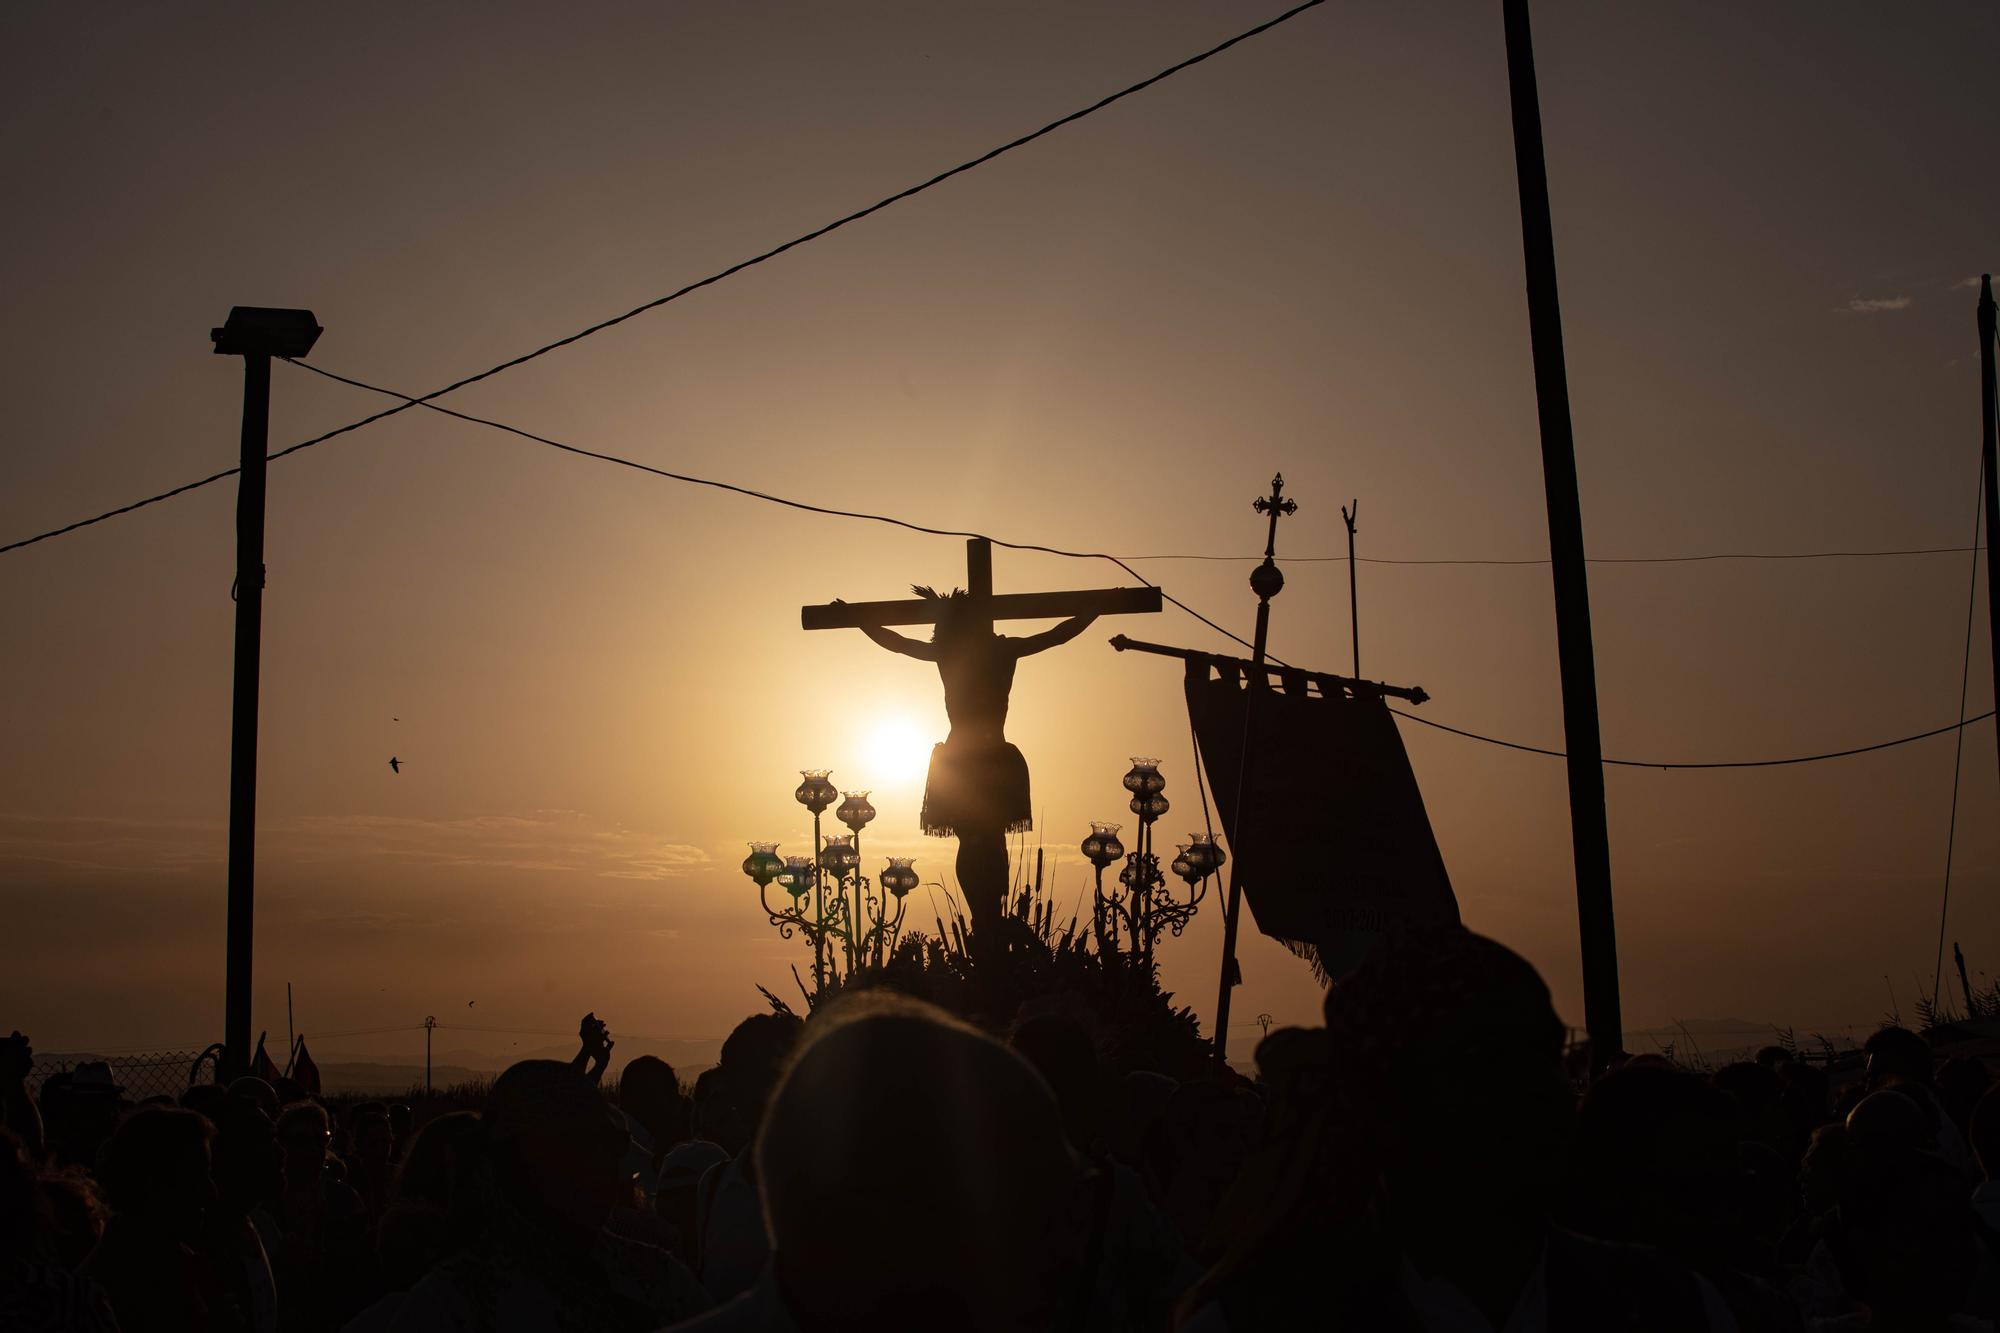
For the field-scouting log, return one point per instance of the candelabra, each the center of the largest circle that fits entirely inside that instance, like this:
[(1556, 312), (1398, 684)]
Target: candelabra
[(1141, 904), (854, 920)]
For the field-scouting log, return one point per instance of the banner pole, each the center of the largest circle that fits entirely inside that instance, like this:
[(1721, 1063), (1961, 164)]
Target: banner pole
[(1267, 581)]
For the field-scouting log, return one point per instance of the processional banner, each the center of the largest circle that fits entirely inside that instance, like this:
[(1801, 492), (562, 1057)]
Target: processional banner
[(1329, 832)]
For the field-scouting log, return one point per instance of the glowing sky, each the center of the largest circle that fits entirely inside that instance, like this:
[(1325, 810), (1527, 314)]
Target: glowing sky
[(1302, 255)]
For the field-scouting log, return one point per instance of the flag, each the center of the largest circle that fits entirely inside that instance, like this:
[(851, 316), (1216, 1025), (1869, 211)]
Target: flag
[(260, 1063), (304, 1072), (1329, 834)]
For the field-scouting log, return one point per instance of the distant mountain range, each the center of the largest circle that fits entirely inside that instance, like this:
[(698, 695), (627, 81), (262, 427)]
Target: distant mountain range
[(342, 1071)]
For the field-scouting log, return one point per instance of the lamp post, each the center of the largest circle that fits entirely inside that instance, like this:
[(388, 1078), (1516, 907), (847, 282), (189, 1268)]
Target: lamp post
[(815, 793), (1102, 848), (256, 334)]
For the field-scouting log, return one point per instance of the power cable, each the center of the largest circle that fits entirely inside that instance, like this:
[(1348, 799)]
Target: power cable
[(1958, 726), (363, 1032), (1958, 751), (713, 278), (1091, 555), (768, 497), (1590, 560)]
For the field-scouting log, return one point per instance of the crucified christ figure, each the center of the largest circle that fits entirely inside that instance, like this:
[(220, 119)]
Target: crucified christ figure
[(978, 785)]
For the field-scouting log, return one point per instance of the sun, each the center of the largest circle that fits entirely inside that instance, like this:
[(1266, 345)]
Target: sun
[(895, 751)]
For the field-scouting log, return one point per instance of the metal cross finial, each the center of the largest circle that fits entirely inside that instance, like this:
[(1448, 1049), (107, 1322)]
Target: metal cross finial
[(1266, 580), (1277, 506)]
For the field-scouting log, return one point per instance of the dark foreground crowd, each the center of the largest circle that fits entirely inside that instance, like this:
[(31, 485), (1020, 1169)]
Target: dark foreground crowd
[(1422, 1162)]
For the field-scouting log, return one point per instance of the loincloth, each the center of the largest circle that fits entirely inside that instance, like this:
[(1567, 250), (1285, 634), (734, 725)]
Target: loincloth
[(976, 789)]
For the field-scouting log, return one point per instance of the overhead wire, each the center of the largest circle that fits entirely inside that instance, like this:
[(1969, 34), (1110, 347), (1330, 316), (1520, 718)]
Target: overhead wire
[(1589, 560), (1958, 751), (769, 498), (709, 281), (892, 521), (1958, 726)]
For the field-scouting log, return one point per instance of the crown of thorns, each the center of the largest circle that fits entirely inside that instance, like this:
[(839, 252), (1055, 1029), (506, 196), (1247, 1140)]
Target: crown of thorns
[(931, 594)]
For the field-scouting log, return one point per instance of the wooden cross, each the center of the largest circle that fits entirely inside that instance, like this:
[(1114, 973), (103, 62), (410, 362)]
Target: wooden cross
[(1000, 606)]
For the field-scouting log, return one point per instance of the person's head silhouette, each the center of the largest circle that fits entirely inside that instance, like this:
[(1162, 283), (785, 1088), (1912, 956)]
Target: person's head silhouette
[(986, 1215), (1061, 1050), (1426, 1125), (753, 1055), (249, 1165), (439, 1199), (305, 1133), (1448, 1073), (155, 1172), (1656, 1163), (1897, 1055), (1906, 1238), (554, 1146), (651, 1095), (958, 620)]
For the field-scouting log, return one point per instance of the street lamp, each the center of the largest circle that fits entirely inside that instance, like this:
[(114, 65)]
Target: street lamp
[(255, 333)]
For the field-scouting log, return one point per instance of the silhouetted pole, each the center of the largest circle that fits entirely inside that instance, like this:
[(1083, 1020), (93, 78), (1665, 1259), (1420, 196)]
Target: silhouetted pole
[(1589, 838), (430, 1026), (1348, 516), (1267, 581), (1987, 409), (256, 334)]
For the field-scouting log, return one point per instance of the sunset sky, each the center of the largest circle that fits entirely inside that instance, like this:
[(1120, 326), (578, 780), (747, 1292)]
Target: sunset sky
[(1302, 255)]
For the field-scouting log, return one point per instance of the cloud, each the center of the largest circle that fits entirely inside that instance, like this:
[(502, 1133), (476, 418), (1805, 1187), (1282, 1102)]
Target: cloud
[(1965, 285), (90, 844), (546, 841), (1871, 305), (561, 841)]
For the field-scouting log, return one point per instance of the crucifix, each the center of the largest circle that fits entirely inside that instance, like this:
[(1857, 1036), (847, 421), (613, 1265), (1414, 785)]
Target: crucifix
[(978, 784)]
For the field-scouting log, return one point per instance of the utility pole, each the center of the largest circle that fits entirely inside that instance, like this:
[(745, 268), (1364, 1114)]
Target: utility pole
[(1347, 516), (1987, 409), (256, 334), (1589, 838), (430, 1026), (1267, 581)]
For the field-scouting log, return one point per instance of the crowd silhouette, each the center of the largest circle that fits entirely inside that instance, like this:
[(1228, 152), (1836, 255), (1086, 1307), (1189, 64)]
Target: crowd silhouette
[(1426, 1160)]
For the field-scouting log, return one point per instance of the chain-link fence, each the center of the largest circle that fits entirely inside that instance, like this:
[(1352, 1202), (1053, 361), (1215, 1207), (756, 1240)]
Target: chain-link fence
[(138, 1075)]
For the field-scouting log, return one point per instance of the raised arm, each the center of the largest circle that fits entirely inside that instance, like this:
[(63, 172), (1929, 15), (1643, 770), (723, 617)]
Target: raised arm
[(897, 643), (1050, 638)]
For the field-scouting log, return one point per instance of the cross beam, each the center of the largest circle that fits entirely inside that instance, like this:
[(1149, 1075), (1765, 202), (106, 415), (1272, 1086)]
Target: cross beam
[(1002, 606)]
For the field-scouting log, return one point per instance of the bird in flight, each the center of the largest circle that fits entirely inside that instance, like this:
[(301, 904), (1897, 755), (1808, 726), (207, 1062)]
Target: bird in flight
[(395, 764)]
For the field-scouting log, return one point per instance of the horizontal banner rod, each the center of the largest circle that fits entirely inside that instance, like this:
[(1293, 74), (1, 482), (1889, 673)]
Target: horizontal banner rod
[(1325, 680)]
